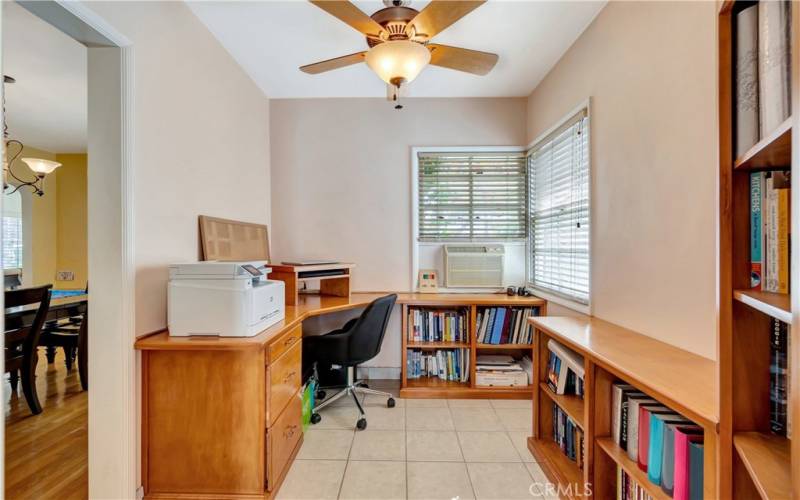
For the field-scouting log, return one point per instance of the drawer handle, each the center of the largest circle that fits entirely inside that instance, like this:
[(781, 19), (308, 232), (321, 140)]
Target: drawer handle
[(289, 376), (289, 341), (289, 431)]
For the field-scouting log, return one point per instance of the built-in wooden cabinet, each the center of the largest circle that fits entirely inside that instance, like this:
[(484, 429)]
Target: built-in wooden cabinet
[(753, 461)]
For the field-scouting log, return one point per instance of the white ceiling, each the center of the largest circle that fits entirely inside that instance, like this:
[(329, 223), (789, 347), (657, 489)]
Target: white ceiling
[(271, 39), (46, 108)]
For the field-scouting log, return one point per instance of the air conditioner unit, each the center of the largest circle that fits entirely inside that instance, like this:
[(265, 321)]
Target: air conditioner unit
[(473, 266)]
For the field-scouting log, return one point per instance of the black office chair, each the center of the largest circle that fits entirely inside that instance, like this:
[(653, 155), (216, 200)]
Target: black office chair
[(359, 340)]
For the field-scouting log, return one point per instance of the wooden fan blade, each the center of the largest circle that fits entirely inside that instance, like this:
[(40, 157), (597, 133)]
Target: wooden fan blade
[(470, 61), (350, 14), (335, 63), (439, 14)]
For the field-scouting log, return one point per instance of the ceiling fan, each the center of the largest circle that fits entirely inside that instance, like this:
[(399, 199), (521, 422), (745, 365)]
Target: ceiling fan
[(399, 41)]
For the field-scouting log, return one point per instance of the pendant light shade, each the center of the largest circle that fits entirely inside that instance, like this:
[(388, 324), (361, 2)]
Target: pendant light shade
[(41, 167), (398, 61)]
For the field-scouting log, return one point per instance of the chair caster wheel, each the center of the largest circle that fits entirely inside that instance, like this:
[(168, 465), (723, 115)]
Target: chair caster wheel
[(315, 418), (364, 385), (320, 395), (390, 403), (361, 424)]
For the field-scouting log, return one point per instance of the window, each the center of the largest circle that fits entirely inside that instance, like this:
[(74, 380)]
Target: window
[(558, 227), (12, 231), (471, 196)]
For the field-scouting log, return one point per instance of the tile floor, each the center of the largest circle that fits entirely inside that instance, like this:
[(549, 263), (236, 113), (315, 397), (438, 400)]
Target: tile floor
[(421, 449)]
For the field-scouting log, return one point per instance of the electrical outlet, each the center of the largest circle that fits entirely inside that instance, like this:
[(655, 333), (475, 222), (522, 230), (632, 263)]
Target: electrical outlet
[(65, 276)]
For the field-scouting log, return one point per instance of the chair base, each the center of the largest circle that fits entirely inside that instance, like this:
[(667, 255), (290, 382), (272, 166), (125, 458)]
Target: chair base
[(353, 389)]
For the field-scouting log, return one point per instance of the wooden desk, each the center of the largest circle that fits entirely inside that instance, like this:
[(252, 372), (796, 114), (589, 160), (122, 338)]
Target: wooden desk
[(221, 417)]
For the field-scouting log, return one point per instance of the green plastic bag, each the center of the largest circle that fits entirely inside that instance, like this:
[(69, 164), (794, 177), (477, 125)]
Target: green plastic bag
[(309, 390)]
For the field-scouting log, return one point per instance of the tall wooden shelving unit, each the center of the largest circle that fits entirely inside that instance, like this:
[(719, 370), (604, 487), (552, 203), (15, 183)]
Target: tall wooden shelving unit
[(431, 387), (752, 462)]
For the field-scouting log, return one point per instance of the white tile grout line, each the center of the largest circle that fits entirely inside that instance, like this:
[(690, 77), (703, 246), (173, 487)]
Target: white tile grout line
[(463, 458)]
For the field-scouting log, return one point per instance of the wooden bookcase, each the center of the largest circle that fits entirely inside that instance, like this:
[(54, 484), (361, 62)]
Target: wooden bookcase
[(683, 381), (752, 461), (431, 387)]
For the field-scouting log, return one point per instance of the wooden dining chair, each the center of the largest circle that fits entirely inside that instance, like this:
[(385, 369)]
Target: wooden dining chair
[(71, 337), (22, 339)]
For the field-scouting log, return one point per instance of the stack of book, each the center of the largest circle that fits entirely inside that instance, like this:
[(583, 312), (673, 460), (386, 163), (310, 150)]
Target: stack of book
[(437, 326), (762, 75), (568, 436), (628, 489), (769, 231), (779, 414), (502, 371), (665, 445), (564, 369), (446, 364), (505, 325)]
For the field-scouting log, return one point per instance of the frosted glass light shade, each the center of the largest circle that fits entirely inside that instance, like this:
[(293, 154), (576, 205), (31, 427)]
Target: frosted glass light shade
[(40, 166), (398, 59)]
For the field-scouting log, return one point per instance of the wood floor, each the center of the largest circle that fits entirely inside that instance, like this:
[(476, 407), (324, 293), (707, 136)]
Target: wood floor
[(46, 454)]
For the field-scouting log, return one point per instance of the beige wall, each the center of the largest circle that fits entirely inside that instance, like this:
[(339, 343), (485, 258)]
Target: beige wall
[(341, 174), (649, 68), (201, 141), (341, 181), (71, 220)]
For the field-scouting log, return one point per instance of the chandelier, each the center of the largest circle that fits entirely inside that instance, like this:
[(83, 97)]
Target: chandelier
[(38, 166)]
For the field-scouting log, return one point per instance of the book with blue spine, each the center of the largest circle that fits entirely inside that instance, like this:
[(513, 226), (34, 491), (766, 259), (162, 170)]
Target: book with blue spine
[(498, 325), (656, 450)]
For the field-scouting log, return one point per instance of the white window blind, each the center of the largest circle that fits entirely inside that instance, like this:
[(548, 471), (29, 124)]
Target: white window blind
[(558, 228), (12, 231), (471, 196)]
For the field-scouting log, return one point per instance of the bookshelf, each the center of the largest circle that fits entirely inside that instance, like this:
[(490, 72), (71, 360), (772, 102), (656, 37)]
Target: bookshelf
[(615, 354), (753, 461), (470, 304)]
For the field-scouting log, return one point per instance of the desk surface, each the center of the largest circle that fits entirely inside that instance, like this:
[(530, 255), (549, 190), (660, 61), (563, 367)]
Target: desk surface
[(685, 379), (315, 305), (309, 305)]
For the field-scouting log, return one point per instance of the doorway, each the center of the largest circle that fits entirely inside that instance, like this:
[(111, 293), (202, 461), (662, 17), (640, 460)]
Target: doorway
[(112, 393)]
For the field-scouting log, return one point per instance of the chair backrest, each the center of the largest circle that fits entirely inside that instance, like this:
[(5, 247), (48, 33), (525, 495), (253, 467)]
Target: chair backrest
[(366, 335), (20, 331)]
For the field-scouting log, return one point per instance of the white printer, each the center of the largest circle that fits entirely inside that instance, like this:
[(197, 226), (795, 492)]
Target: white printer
[(226, 299)]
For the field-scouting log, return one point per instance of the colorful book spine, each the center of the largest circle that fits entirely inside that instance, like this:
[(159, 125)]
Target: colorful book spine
[(695, 470), (783, 240), (682, 463), (756, 236)]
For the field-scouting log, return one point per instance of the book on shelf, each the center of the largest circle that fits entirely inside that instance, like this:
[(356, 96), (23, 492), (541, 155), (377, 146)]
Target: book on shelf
[(501, 370), (445, 364), (628, 489), (505, 325), (769, 231), (774, 63), (779, 375), (685, 475), (656, 438), (568, 436), (564, 369), (746, 76), (655, 457), (425, 325)]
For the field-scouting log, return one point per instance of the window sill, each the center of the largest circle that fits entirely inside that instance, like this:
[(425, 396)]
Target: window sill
[(556, 299)]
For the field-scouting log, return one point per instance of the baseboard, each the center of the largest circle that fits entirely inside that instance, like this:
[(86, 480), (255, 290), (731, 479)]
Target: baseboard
[(379, 373)]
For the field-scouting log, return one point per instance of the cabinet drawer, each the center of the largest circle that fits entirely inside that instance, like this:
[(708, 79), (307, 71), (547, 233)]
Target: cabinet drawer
[(283, 381), (282, 438), (286, 342)]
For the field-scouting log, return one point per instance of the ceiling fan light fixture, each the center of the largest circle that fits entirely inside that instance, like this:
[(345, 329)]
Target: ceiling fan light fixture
[(41, 167), (398, 60)]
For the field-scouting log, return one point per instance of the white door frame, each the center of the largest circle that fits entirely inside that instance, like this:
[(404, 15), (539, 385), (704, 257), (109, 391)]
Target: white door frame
[(113, 386)]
